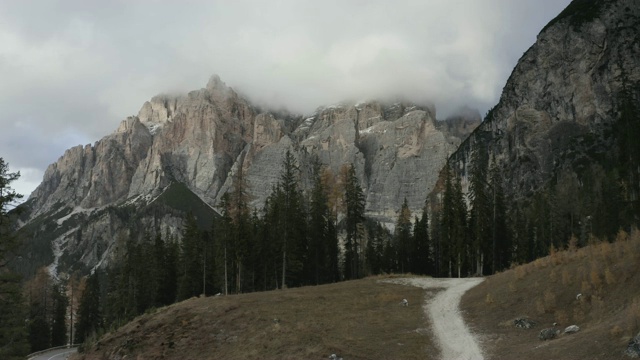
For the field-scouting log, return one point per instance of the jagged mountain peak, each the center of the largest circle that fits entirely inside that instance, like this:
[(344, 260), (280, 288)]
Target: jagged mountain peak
[(215, 83), (201, 139)]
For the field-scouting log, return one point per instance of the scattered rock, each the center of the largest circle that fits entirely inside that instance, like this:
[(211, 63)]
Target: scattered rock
[(335, 357), (524, 323), (404, 302), (578, 296), (548, 333), (633, 349), (572, 329)]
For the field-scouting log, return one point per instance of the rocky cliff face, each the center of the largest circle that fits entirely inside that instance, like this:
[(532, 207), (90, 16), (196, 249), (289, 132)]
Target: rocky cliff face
[(200, 139), (94, 175), (561, 107)]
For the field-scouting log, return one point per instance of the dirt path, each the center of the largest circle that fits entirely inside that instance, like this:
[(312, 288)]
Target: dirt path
[(453, 336)]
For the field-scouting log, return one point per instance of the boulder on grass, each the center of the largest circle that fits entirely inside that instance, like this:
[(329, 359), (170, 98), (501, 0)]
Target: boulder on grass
[(548, 333), (633, 349), (571, 329), (524, 323)]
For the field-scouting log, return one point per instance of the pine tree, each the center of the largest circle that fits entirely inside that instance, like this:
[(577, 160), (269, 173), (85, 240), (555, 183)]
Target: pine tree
[(147, 278), (378, 261), (447, 224), (453, 225), (334, 204), (131, 280), (481, 214), (223, 230), (291, 220), (254, 255), (502, 233), (160, 273), (118, 307), (13, 334), (191, 267), (208, 273), (403, 238), (90, 313), (354, 219), (461, 244), (59, 319), (73, 288), (269, 241), (240, 217), (169, 287), (8, 198), (627, 127), (436, 239), (421, 254), (389, 258), (40, 303), (322, 241)]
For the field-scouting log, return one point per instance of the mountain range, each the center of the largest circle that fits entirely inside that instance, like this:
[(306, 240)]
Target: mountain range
[(179, 154), (564, 131)]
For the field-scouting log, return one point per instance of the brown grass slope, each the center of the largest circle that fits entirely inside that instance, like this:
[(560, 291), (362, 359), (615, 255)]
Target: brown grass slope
[(360, 319), (608, 312)]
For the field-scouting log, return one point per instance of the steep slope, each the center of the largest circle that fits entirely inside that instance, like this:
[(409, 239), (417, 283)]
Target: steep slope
[(546, 292), (80, 238), (196, 142), (565, 130)]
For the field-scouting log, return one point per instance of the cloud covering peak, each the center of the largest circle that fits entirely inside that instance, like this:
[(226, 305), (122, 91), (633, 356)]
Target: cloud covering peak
[(72, 70)]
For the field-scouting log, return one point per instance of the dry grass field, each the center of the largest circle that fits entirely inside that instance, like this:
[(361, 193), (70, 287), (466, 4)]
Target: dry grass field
[(608, 312), (363, 319), (355, 319)]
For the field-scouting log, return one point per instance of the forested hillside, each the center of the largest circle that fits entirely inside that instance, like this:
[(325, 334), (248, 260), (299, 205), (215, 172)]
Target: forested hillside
[(556, 161)]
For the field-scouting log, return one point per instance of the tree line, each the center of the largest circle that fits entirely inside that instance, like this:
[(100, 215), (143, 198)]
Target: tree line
[(318, 235), (13, 332), (298, 238)]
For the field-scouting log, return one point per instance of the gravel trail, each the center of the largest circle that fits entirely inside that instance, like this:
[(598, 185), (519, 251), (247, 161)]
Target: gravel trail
[(453, 336)]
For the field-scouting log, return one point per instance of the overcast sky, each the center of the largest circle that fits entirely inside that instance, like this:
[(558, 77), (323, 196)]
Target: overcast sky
[(70, 71)]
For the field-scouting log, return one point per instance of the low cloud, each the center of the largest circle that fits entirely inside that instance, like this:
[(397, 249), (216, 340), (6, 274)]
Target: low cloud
[(72, 70)]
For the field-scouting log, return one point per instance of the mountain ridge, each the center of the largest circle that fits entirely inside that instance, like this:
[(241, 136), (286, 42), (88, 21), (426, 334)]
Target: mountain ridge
[(202, 138)]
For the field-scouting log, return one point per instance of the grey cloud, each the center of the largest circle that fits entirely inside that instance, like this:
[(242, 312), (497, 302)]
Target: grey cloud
[(73, 69)]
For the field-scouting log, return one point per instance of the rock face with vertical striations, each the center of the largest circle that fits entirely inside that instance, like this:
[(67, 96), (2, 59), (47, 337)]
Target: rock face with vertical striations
[(94, 175), (560, 110), (98, 193)]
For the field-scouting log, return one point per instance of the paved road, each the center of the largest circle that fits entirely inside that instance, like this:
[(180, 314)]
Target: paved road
[(454, 337), (60, 354)]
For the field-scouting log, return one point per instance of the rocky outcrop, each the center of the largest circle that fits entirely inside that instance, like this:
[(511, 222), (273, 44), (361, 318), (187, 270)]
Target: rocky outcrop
[(633, 348), (94, 175), (571, 329), (397, 150), (559, 108), (200, 143), (548, 333), (524, 323), (158, 111)]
